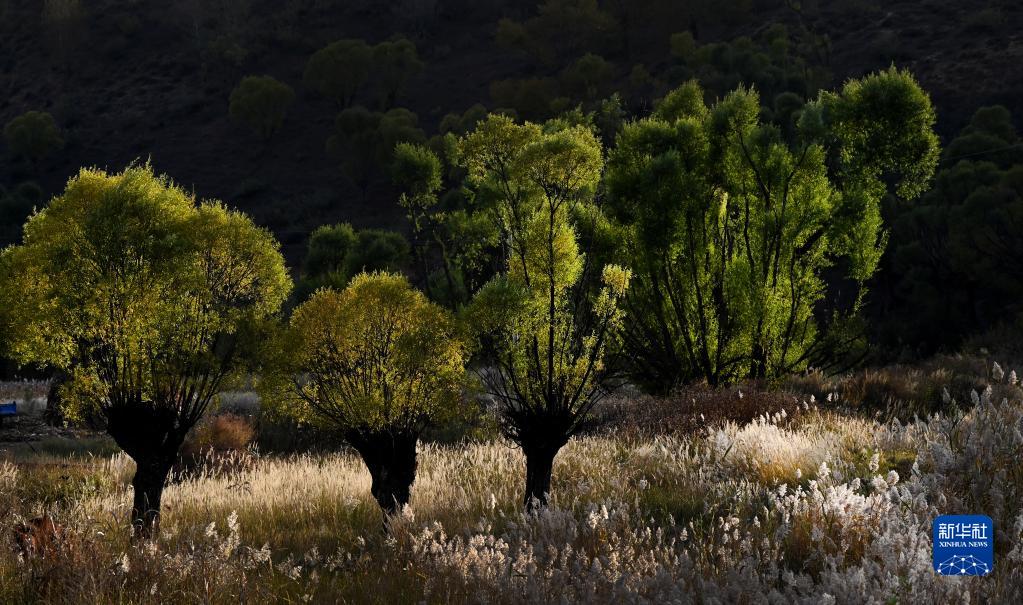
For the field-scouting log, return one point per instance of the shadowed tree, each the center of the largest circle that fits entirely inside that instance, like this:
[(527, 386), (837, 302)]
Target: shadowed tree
[(338, 252), (417, 172), (378, 363), (261, 102), (339, 70), (364, 140), (33, 135), (954, 254), (148, 301), (395, 62), (545, 326)]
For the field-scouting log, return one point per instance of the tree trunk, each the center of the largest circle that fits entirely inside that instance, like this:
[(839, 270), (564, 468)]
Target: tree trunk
[(539, 469), (150, 477), (391, 460)]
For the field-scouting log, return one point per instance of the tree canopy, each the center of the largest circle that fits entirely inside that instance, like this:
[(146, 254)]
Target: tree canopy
[(742, 241), (146, 298)]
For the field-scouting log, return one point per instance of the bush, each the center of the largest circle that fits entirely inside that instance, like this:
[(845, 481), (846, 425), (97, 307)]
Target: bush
[(33, 135), (261, 102)]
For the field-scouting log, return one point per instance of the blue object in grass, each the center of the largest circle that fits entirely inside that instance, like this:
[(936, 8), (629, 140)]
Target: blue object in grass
[(8, 409)]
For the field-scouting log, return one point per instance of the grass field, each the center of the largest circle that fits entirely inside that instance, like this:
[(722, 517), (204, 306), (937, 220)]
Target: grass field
[(813, 503)]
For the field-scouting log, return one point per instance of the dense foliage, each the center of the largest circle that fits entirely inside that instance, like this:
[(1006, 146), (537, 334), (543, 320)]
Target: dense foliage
[(731, 229), (378, 363), (548, 320), (33, 135), (148, 300), (261, 102)]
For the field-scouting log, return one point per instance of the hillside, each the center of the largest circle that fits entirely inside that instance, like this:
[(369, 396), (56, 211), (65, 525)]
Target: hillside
[(137, 80)]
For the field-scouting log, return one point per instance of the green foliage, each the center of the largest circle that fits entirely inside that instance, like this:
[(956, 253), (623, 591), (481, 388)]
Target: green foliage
[(956, 252), (365, 140), (461, 124), (529, 97), (738, 238), (773, 62), (588, 77), (339, 70), (683, 46), (125, 281), (884, 124), (338, 252), (394, 63), (561, 28), (148, 301), (546, 327), (33, 135), (453, 230), (377, 356), (261, 102)]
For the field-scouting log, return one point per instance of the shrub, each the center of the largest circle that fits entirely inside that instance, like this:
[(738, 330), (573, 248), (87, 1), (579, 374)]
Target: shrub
[(261, 102)]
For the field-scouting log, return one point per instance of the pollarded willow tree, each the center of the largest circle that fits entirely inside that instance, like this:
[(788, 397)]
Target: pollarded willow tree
[(149, 301), (751, 252), (377, 362), (545, 323)]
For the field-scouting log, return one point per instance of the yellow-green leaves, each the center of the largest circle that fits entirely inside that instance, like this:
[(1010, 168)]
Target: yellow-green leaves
[(376, 356), (547, 329), (126, 280)]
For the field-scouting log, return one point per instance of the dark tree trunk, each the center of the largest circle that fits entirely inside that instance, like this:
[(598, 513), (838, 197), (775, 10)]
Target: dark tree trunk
[(150, 477), (152, 436), (391, 460), (539, 469)]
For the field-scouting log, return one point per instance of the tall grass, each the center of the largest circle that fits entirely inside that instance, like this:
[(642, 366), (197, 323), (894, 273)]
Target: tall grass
[(804, 505)]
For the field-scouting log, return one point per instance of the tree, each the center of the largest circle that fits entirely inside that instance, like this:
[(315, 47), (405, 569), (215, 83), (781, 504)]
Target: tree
[(588, 77), (395, 62), (261, 102), (544, 325), (561, 28), (338, 252), (148, 301), (365, 140), (751, 254), (339, 70), (417, 172), (377, 362), (951, 269), (33, 135), (530, 97)]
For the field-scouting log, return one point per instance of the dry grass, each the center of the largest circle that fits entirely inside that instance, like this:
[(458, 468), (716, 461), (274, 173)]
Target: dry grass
[(804, 504)]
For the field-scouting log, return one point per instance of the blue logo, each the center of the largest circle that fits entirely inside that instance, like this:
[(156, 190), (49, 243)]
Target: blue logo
[(964, 545)]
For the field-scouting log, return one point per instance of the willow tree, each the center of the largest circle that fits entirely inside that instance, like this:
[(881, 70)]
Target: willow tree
[(750, 252), (148, 300), (378, 363), (545, 322)]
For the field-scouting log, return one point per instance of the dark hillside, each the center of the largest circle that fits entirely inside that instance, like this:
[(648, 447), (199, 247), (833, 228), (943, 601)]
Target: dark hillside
[(148, 79)]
